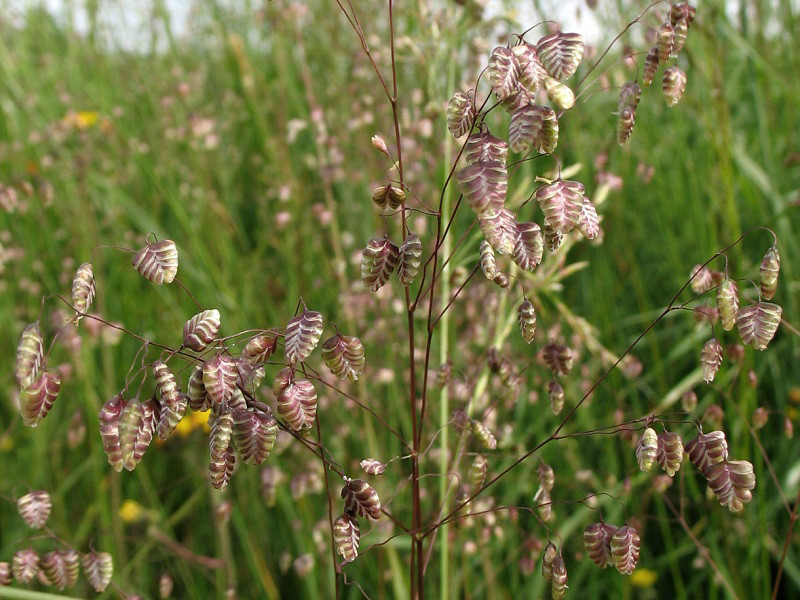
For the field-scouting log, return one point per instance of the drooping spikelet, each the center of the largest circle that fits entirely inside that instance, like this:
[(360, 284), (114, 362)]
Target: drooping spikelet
[(109, 430), (483, 435), (344, 356), (552, 237), (727, 303), (98, 567), (559, 587), (259, 349), (732, 482), (547, 140), (549, 554), (707, 449), (711, 359), (650, 67), (484, 185), (157, 262), (503, 72), (526, 316), (758, 323), (561, 95), (196, 391), (38, 398), (625, 545), (346, 535), (646, 449), (681, 29), (201, 329), (488, 260), (254, 434), (34, 508), (625, 122), (482, 146), (561, 53), (670, 452), (597, 542), (302, 335), (528, 246), (665, 42), (461, 113), (297, 403), (219, 379), (561, 202), (770, 267), (673, 84), (378, 261), (500, 230), (531, 71), (558, 358), (25, 565), (556, 395), (372, 466), (83, 289), (410, 259), (30, 356), (588, 221), (361, 499), (477, 472)]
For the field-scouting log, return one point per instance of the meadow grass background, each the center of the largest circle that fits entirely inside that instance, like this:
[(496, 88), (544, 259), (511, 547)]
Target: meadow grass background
[(247, 142)]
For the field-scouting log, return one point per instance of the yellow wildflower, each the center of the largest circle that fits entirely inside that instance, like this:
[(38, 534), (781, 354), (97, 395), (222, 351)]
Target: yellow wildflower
[(643, 578), (130, 511)]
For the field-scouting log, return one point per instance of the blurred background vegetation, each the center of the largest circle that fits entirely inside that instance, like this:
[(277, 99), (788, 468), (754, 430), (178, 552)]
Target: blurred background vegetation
[(242, 133)]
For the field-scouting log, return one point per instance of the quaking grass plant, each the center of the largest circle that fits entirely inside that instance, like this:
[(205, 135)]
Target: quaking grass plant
[(452, 465)]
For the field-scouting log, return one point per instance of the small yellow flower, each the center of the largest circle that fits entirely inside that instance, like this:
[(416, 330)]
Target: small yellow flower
[(643, 578), (192, 421), (130, 511), (83, 119)]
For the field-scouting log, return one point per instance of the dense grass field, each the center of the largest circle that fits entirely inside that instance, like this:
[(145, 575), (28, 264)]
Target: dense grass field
[(246, 140)]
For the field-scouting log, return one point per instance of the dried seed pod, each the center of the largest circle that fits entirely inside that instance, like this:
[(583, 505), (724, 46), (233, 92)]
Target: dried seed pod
[(477, 472), (109, 430), (625, 549), (681, 10), (770, 267), (528, 246), (588, 222), (378, 261), (5, 574), (254, 434), (346, 535), (410, 259), (547, 140), (34, 508), (561, 202), (344, 356), (758, 323), (222, 457), (196, 391), (219, 379), (361, 499), (727, 303), (201, 329), (503, 71), (625, 122), (531, 71), (461, 113), (54, 569), (670, 452), (25, 565), (482, 146), (373, 466), (646, 449), (38, 398), (98, 567), (157, 262), (297, 404), (500, 230), (650, 67), (526, 316), (488, 260), (665, 42), (681, 28), (629, 95), (732, 482), (548, 556), (556, 394), (83, 289), (561, 53), (559, 578), (524, 128), (484, 185), (597, 541), (395, 196), (166, 385), (30, 356), (547, 477), (302, 335), (483, 435), (558, 358), (552, 237), (170, 415), (559, 94), (673, 84), (711, 359), (707, 449)]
